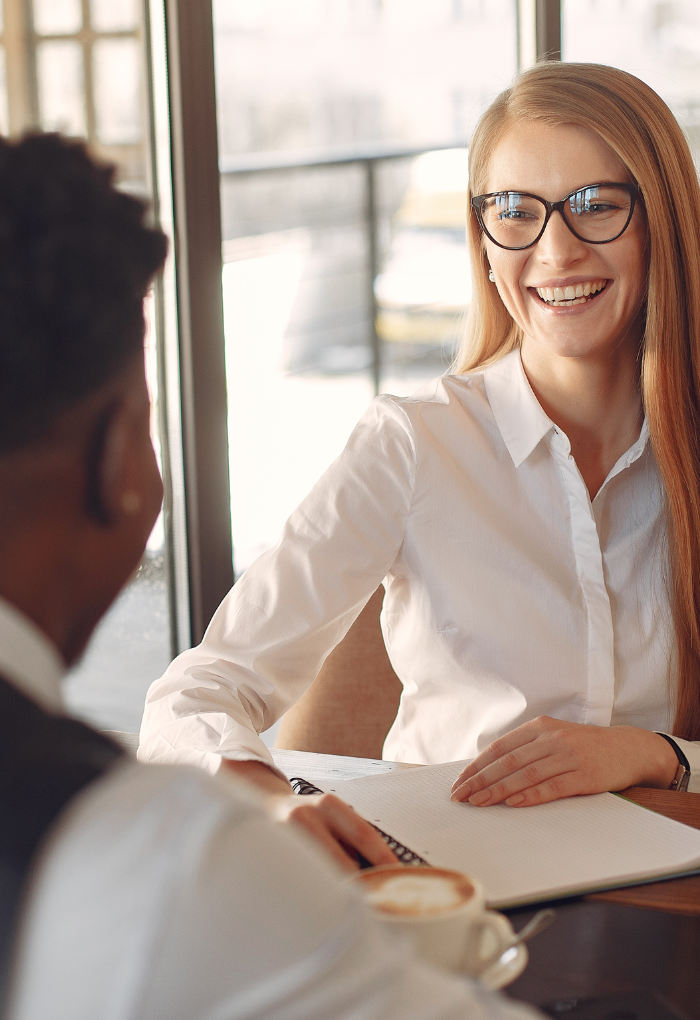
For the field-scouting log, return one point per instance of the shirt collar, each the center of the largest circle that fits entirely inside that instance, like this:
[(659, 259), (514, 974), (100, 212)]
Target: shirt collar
[(29, 660), (634, 453), (519, 416)]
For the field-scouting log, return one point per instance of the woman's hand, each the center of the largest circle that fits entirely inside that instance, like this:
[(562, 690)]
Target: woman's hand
[(546, 759), (331, 822)]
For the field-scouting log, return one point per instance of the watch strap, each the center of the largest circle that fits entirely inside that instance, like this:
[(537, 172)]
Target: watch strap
[(682, 776)]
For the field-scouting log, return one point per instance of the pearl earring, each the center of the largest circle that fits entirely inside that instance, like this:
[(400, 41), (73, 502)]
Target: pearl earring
[(492, 278)]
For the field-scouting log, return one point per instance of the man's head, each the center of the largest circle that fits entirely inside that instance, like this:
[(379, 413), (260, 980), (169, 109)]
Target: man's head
[(79, 486)]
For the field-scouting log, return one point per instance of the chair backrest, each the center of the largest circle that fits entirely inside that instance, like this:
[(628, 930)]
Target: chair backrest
[(353, 701)]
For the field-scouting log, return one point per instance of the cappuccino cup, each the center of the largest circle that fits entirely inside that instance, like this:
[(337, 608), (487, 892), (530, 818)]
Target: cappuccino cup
[(442, 912)]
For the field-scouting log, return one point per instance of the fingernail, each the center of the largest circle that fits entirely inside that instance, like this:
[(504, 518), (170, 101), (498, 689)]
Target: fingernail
[(483, 797), (516, 799)]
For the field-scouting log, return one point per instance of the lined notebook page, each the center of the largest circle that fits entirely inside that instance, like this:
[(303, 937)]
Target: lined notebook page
[(527, 854)]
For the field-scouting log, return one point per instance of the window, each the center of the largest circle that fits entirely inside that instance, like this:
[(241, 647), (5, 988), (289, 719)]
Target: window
[(77, 66), (656, 40), (342, 128), (343, 233)]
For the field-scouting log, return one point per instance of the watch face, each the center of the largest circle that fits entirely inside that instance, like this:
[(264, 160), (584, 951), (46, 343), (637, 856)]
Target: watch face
[(681, 779)]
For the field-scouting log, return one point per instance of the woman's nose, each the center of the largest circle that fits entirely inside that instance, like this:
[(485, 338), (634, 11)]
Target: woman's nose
[(558, 246)]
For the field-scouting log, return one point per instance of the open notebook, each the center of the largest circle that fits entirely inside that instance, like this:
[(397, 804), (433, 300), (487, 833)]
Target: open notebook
[(523, 855)]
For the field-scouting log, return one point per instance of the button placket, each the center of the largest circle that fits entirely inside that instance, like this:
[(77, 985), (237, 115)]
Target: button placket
[(600, 694)]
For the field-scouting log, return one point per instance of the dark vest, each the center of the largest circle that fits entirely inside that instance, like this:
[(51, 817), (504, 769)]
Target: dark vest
[(45, 760)]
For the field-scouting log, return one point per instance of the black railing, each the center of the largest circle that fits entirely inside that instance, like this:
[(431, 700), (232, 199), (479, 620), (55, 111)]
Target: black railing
[(258, 163)]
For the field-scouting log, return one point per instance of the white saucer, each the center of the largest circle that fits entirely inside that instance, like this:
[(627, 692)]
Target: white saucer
[(507, 968)]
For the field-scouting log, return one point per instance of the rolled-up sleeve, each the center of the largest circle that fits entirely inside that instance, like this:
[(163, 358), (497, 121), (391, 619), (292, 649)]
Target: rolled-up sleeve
[(270, 636)]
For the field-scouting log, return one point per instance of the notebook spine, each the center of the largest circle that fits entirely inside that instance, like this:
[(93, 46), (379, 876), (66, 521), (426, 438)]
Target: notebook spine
[(404, 854)]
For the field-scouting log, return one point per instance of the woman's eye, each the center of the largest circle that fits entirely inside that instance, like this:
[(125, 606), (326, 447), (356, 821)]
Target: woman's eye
[(515, 214)]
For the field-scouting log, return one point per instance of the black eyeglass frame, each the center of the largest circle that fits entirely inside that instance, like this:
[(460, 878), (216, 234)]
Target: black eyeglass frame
[(550, 207)]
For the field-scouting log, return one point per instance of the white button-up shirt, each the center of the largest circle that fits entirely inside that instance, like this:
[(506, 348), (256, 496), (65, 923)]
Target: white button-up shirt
[(509, 594), (163, 894)]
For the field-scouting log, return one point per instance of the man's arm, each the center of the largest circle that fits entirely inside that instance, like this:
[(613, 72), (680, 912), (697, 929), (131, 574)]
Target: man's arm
[(173, 896)]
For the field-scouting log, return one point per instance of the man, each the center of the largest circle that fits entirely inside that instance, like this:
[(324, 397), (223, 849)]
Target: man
[(131, 891)]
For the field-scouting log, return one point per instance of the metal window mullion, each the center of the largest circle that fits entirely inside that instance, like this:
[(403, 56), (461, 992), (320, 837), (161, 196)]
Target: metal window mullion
[(159, 162), (203, 397), (22, 97), (371, 221), (538, 31), (85, 39), (548, 29), (169, 425), (87, 36)]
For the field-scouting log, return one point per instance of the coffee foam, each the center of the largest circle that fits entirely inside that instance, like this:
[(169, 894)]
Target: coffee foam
[(415, 892)]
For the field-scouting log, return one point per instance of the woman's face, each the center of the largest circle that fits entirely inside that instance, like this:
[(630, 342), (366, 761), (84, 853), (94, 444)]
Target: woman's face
[(552, 162)]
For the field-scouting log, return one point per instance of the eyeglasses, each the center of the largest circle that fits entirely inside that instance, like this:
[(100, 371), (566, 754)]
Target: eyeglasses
[(598, 214)]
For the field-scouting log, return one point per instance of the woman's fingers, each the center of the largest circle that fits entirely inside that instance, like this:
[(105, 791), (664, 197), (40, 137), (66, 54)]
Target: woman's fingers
[(516, 771), (504, 756), (543, 760), (566, 784), (338, 828), (541, 781), (506, 744), (547, 759)]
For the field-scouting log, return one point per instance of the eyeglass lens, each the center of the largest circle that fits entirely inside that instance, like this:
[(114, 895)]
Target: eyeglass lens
[(597, 214)]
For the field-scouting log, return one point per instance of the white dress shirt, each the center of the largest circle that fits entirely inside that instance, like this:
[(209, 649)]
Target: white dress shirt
[(509, 594), (164, 894)]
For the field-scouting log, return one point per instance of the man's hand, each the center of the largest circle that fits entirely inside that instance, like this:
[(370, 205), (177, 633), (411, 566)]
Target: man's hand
[(333, 824), (546, 759)]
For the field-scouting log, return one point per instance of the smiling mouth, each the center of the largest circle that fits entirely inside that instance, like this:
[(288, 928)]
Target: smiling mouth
[(567, 297)]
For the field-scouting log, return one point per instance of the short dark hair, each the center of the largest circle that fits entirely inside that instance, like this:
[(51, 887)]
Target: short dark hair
[(76, 260)]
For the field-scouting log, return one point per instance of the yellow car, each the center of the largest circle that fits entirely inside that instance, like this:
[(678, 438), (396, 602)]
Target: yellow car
[(425, 285)]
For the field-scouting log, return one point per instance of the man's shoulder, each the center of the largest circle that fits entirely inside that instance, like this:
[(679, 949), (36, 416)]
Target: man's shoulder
[(150, 798), (125, 834), (149, 873)]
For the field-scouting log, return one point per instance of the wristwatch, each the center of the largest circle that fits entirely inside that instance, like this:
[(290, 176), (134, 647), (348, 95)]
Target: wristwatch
[(682, 776)]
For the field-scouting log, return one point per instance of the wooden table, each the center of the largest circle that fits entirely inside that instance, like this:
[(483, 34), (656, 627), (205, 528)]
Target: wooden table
[(645, 938)]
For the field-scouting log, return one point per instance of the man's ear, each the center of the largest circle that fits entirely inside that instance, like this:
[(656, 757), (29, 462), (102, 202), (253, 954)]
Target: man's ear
[(110, 494)]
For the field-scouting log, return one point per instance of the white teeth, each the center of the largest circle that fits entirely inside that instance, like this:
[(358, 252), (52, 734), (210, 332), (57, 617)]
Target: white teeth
[(571, 295)]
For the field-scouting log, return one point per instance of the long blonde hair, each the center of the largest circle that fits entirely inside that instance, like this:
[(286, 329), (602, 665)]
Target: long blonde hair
[(642, 131)]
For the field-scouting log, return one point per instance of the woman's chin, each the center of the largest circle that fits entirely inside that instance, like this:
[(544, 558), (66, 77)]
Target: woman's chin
[(567, 344)]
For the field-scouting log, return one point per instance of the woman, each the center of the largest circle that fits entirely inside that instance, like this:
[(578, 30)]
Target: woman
[(535, 515)]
